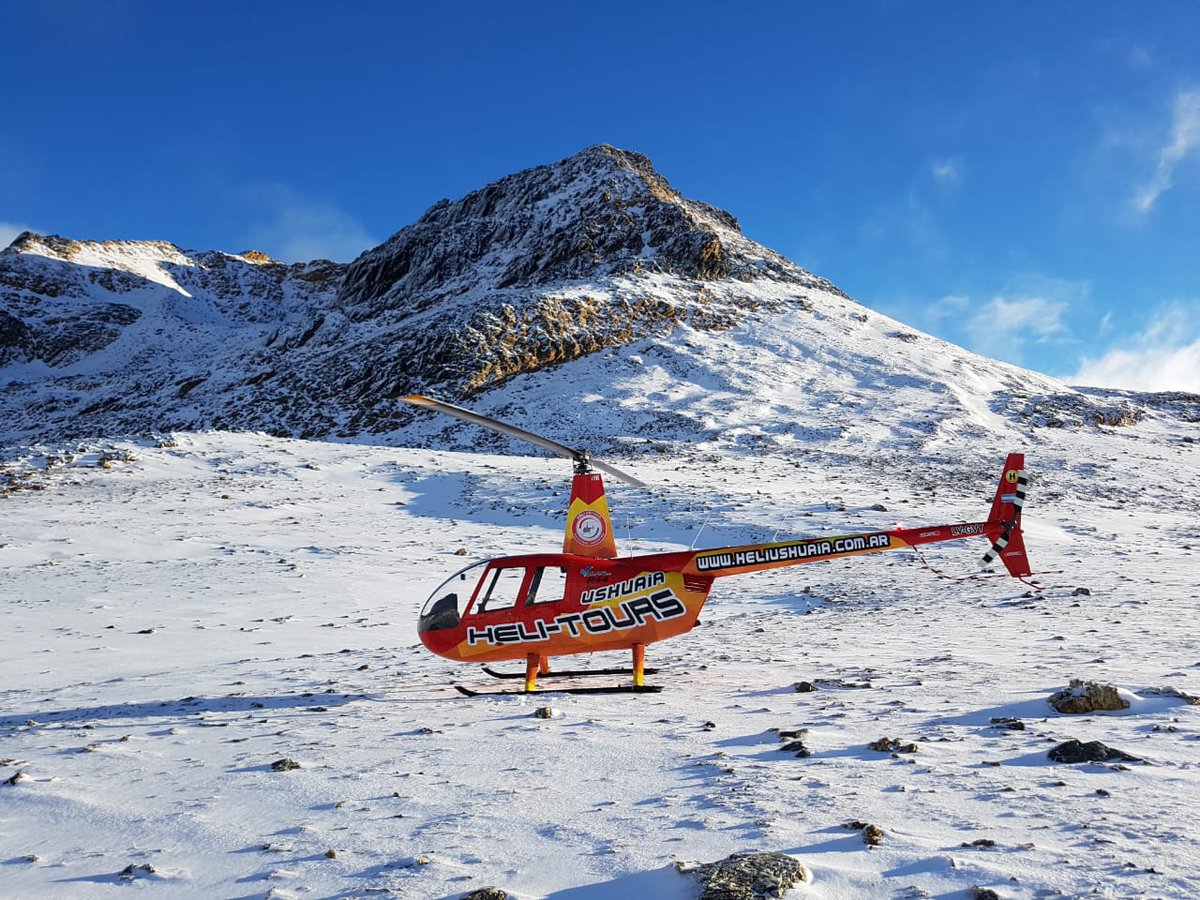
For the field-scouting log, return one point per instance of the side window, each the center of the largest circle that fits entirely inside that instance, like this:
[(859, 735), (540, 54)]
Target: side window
[(503, 590), (549, 585)]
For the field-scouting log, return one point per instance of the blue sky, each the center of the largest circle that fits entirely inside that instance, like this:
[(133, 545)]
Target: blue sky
[(1022, 179)]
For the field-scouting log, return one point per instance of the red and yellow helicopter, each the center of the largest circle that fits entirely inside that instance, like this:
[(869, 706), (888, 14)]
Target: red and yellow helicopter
[(586, 599)]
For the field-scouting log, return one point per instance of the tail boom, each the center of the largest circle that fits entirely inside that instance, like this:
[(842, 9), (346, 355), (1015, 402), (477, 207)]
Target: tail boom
[(1002, 528)]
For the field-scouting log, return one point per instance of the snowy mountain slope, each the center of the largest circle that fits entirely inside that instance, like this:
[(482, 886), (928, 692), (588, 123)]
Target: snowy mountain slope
[(131, 336), (559, 263), (175, 623)]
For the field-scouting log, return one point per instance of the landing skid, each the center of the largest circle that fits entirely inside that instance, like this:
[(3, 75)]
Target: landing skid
[(566, 673), (615, 689)]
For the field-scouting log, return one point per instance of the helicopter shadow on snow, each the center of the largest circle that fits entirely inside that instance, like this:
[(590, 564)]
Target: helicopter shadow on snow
[(485, 499), (186, 708), (665, 883), (642, 522)]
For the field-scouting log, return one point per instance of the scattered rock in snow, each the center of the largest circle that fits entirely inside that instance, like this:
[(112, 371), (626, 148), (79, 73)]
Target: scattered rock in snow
[(892, 745), (1168, 691), (982, 893), (547, 712), (132, 871), (461, 551), (805, 687), (284, 765), (843, 683), (1074, 751), (1073, 410), (331, 853), (486, 893), (1087, 696), (1081, 592), (798, 748), (1009, 722), (979, 842), (878, 507), (871, 834), (749, 876), (17, 778)]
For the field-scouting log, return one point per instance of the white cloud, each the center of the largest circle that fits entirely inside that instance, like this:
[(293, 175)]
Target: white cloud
[(952, 306), (9, 232), (295, 228), (1139, 58), (947, 171), (1002, 326), (1163, 357), (1028, 321), (1184, 141)]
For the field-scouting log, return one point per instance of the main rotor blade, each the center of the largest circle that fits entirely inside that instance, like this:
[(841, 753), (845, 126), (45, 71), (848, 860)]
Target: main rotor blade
[(579, 456), (496, 425), (617, 473)]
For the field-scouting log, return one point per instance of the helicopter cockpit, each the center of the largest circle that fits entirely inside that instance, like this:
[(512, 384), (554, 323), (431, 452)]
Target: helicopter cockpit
[(503, 585), (445, 606)]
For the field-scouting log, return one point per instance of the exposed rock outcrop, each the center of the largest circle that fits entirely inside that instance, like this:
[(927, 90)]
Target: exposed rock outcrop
[(1087, 696), (750, 876)]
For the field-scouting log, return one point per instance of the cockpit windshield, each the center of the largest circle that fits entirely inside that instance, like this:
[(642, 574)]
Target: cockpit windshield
[(445, 606)]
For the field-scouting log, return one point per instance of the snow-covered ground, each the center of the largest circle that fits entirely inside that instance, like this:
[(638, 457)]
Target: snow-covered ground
[(173, 623)]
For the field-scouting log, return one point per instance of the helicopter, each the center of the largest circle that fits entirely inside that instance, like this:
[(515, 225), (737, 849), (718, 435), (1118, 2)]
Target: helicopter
[(586, 599)]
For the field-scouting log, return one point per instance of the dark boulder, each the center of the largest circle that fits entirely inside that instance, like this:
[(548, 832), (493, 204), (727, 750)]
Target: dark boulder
[(1074, 751)]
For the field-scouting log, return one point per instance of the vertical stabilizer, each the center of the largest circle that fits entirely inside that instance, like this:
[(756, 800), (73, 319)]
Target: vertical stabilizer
[(1010, 494), (589, 527), (1004, 521)]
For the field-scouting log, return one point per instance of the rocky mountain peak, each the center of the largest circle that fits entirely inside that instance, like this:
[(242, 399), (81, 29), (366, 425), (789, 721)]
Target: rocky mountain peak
[(602, 213)]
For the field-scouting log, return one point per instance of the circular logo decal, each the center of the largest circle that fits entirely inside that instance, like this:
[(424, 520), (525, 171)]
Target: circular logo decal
[(588, 527), (1011, 476)]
